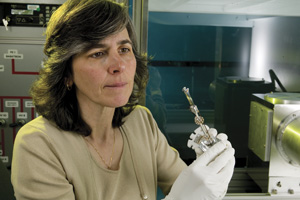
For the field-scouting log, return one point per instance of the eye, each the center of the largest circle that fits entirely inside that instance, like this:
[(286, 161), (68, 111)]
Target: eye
[(125, 50), (97, 54)]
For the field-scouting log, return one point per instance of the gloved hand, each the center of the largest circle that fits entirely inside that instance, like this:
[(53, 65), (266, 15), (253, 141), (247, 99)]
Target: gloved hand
[(199, 133), (207, 177)]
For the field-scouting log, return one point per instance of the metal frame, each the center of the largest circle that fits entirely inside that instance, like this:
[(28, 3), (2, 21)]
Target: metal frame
[(140, 21)]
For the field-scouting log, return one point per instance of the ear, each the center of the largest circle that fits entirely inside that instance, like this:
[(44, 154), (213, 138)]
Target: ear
[(69, 81)]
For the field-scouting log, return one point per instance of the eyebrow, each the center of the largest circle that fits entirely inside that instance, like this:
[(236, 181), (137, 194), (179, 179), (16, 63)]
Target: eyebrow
[(101, 45), (125, 42)]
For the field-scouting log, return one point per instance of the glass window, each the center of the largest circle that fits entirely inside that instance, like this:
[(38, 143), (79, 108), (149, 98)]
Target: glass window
[(192, 56)]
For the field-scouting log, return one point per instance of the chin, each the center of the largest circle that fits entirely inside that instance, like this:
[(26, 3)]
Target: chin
[(120, 103)]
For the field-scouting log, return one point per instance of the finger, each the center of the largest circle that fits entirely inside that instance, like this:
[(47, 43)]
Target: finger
[(228, 144), (222, 136), (227, 172), (213, 132), (210, 154), (221, 161)]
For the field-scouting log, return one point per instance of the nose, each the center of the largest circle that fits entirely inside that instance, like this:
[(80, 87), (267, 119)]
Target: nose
[(116, 64)]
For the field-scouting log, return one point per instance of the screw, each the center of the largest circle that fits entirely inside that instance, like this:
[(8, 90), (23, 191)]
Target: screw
[(274, 191), (279, 184), (291, 191)]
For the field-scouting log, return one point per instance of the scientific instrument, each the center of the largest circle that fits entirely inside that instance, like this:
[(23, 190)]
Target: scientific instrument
[(201, 138)]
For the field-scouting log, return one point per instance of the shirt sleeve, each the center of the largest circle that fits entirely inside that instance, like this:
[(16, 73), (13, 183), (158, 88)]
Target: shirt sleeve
[(169, 163), (37, 173)]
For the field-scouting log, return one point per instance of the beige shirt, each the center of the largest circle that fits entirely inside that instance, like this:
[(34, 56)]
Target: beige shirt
[(49, 163)]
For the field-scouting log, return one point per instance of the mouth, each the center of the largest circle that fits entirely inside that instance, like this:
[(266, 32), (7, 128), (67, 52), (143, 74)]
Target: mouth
[(116, 85)]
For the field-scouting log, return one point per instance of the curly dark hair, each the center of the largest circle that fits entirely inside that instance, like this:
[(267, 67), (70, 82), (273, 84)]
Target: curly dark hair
[(75, 27)]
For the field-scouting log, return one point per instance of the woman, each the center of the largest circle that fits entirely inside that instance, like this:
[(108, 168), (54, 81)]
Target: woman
[(91, 141)]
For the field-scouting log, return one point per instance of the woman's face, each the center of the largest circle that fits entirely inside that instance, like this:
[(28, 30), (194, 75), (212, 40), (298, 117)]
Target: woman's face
[(104, 75)]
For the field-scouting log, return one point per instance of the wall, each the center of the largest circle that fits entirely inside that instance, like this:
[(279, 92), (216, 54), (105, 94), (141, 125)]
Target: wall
[(276, 45)]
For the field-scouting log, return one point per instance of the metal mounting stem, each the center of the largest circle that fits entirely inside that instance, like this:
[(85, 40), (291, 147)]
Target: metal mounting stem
[(199, 120)]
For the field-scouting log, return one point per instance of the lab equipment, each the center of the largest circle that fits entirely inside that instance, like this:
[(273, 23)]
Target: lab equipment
[(22, 27), (274, 137), (231, 111), (202, 138)]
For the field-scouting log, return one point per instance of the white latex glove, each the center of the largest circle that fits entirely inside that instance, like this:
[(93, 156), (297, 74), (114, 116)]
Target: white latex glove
[(207, 178)]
